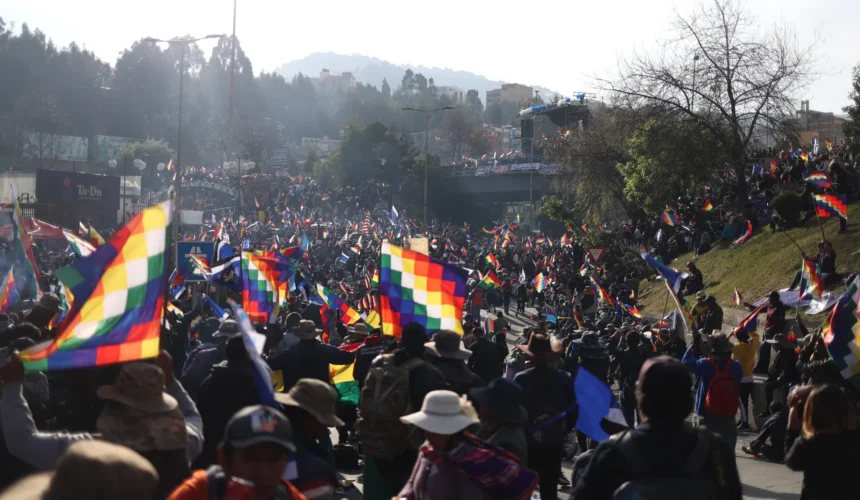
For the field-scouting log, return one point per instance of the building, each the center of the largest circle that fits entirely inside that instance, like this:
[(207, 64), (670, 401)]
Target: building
[(328, 82), (510, 92), (822, 124), (455, 94), (500, 138)]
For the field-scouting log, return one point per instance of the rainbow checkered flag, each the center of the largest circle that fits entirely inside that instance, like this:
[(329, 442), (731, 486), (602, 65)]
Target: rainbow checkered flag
[(259, 286), (119, 299), (415, 288)]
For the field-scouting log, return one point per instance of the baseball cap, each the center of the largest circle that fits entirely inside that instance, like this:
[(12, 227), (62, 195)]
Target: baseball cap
[(259, 424)]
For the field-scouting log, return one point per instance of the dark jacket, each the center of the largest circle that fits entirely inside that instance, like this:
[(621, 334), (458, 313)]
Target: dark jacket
[(364, 356), (665, 450), (713, 320), (674, 347), (458, 376), (784, 367), (309, 359), (199, 367), (315, 466), (225, 391), (543, 382), (487, 359), (829, 463), (423, 378)]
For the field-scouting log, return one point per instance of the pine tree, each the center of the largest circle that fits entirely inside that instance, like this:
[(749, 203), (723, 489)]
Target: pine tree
[(851, 127)]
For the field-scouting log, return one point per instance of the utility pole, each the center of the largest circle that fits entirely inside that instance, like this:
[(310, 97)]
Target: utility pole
[(230, 116), (426, 144), (177, 183)]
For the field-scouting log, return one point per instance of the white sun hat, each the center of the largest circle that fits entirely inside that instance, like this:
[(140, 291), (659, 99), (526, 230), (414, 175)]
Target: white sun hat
[(443, 412)]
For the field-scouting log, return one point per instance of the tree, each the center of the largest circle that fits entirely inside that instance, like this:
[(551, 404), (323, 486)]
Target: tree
[(588, 166), (386, 89), (473, 100), (458, 123), (724, 72), (668, 158), (851, 127)]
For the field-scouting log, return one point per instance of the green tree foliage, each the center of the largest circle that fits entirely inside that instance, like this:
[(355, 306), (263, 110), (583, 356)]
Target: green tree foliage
[(668, 158), (557, 210), (851, 127)]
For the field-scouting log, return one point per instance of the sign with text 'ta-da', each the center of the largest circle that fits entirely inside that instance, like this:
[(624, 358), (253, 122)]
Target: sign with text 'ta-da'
[(203, 249)]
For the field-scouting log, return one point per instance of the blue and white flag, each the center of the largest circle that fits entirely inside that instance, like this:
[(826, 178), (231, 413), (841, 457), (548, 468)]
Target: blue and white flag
[(672, 276), (251, 339), (394, 217), (216, 310), (596, 402)]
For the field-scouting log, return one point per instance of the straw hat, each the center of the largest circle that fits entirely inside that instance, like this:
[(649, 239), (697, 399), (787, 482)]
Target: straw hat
[(315, 397), (140, 386), (443, 412)]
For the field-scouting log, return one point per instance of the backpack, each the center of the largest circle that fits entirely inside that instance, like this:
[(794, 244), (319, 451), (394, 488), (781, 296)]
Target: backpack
[(723, 396), (384, 399), (546, 425), (693, 482), (219, 486)]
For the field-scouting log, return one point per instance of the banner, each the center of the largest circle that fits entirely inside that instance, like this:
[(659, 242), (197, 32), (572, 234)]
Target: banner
[(54, 147), (217, 186), (279, 158), (86, 193)]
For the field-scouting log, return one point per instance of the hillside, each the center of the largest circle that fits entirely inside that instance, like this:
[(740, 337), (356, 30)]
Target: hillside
[(372, 70), (766, 262)]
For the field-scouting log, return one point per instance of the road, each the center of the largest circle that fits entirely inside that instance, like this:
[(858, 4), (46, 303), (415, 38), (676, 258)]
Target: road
[(761, 480)]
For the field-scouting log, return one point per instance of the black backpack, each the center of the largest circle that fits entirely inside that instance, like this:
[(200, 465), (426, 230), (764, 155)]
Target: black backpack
[(546, 425), (694, 482)]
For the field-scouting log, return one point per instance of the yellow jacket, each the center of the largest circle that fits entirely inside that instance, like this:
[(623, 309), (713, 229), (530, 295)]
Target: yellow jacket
[(745, 353)]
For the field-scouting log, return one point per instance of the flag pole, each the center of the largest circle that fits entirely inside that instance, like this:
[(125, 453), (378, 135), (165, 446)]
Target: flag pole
[(795, 243), (665, 304), (820, 226), (167, 254)]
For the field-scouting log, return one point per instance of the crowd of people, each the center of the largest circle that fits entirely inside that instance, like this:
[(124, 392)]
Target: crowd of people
[(489, 413)]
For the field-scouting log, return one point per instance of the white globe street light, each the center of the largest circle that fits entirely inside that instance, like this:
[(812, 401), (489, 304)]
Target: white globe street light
[(160, 167), (139, 164), (112, 164)]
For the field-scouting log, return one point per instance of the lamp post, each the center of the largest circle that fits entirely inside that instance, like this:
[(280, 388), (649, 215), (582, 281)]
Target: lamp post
[(182, 43), (693, 97), (426, 138)]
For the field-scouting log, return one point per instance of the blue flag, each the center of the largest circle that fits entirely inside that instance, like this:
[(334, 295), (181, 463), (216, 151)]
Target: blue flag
[(216, 311), (672, 276), (262, 374), (596, 402)]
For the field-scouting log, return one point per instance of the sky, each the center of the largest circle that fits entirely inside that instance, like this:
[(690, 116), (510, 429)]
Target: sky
[(560, 44)]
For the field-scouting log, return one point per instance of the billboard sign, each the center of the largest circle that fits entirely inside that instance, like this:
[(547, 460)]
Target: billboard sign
[(279, 157), (105, 147), (87, 193), (44, 146)]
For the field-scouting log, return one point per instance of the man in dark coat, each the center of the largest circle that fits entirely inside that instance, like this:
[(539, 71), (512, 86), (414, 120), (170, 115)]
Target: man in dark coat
[(309, 358)]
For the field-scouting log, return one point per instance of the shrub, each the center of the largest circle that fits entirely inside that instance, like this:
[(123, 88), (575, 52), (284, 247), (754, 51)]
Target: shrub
[(788, 205)]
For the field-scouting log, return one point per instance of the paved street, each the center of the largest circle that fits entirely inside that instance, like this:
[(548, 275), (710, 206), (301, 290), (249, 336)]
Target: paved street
[(762, 480)]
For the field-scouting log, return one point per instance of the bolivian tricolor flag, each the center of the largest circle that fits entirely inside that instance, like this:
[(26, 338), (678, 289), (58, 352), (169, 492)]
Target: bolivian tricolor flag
[(342, 377)]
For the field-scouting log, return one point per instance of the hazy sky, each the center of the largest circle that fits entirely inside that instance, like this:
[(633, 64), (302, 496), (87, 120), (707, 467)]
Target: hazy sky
[(554, 43)]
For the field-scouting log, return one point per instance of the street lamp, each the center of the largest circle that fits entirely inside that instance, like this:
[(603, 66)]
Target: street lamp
[(426, 137), (160, 167), (112, 164), (178, 181), (693, 96)]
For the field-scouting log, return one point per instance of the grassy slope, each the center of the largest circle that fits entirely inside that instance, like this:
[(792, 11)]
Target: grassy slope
[(766, 262)]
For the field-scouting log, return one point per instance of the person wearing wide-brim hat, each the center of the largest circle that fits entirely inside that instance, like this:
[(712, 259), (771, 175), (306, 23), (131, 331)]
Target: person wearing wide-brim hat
[(503, 416), (310, 408), (44, 310), (781, 340), (443, 417), (162, 425), (356, 333), (448, 354), (200, 361), (91, 469), (548, 393)]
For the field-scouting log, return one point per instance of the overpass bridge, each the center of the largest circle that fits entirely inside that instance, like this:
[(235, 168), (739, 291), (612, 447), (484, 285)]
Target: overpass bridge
[(518, 182)]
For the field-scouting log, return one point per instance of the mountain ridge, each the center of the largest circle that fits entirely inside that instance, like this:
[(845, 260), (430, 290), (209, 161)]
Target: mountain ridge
[(372, 70)]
